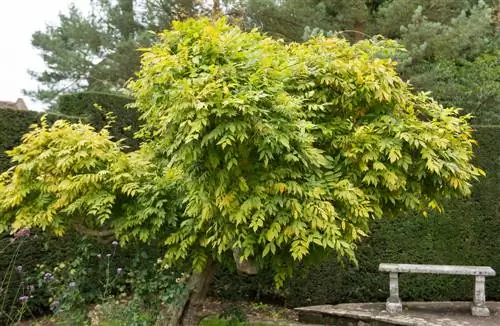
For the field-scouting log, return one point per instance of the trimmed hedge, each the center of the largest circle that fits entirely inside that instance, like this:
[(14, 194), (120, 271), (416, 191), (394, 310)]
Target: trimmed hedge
[(466, 234), (86, 106), (13, 124)]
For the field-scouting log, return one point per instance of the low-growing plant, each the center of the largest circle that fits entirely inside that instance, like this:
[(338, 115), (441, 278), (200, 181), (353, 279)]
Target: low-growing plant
[(75, 282), (122, 311), (96, 278), (235, 313), (14, 307)]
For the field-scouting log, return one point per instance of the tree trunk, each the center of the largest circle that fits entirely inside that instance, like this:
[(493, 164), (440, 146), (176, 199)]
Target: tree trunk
[(359, 29), (198, 285), (216, 9), (190, 311)]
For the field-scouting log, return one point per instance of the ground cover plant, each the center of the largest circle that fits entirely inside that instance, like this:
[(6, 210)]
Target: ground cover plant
[(267, 151)]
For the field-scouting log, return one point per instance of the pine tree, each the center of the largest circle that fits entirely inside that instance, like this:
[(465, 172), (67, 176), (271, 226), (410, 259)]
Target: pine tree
[(452, 53), (98, 51)]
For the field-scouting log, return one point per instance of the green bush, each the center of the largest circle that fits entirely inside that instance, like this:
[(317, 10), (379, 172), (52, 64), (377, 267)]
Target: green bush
[(92, 108), (84, 261), (465, 234)]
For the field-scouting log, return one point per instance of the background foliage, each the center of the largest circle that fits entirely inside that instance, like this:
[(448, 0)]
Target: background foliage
[(447, 41), (94, 108), (97, 51)]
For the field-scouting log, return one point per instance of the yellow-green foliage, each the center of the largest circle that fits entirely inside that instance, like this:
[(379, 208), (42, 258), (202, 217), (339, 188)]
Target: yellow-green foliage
[(60, 171), (249, 143), (285, 148), (67, 175)]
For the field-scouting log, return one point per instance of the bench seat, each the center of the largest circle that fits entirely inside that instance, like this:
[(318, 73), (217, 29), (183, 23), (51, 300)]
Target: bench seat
[(478, 308), (437, 269)]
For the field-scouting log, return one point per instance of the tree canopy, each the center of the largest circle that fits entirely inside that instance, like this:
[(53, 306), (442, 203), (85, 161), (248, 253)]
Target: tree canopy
[(446, 40), (253, 145)]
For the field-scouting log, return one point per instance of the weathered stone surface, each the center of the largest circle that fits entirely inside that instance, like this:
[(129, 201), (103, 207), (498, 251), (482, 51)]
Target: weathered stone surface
[(393, 307), (414, 314), (480, 311), (437, 269)]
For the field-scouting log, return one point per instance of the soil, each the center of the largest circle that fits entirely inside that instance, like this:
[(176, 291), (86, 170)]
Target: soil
[(254, 313)]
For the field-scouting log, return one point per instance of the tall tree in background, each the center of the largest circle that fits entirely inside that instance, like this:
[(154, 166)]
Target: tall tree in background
[(453, 51), (289, 18), (98, 51), (453, 45)]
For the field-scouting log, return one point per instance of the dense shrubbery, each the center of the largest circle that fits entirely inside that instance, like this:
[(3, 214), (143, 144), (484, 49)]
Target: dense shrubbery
[(68, 273), (93, 107), (466, 234)]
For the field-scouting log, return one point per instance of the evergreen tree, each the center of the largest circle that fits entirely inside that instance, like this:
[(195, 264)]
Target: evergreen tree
[(98, 51), (288, 19), (452, 53)]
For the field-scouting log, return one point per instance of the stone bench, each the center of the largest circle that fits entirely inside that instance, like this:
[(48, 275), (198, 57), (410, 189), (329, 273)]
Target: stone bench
[(478, 308)]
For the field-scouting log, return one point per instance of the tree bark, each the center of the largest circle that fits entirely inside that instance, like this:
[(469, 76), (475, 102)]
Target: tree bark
[(190, 312), (359, 29), (198, 285), (216, 9)]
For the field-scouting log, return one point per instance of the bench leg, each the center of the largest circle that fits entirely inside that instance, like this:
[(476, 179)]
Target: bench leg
[(479, 307), (393, 304)]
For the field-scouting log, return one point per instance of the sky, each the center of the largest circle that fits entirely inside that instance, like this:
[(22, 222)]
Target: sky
[(20, 19)]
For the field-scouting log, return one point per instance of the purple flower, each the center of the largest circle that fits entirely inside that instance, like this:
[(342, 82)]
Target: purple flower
[(119, 270), (114, 243), (19, 268), (24, 298), (72, 284), (48, 277), (22, 233), (54, 305)]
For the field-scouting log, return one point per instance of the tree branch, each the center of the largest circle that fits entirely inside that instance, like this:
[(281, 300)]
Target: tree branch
[(94, 233)]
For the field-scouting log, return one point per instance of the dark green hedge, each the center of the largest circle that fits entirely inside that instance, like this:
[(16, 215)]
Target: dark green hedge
[(466, 234), (86, 105), (13, 124)]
